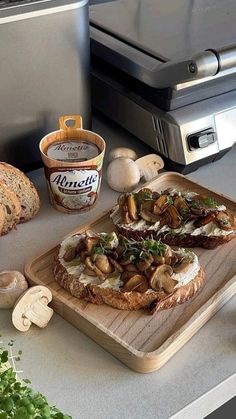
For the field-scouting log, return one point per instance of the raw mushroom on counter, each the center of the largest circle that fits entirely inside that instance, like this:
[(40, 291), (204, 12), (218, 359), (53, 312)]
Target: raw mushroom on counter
[(32, 307), (12, 285), (124, 170)]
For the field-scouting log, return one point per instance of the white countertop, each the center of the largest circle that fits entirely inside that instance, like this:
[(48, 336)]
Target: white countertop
[(80, 377)]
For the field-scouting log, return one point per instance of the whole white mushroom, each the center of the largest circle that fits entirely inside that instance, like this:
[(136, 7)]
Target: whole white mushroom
[(123, 174), (118, 152), (12, 285)]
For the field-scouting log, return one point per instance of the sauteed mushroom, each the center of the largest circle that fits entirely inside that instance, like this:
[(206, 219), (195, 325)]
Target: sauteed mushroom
[(146, 212), (90, 242), (175, 221), (91, 266), (161, 279), (136, 283), (132, 208), (70, 254), (116, 265), (225, 220), (160, 204), (181, 205), (204, 220), (183, 266), (102, 263)]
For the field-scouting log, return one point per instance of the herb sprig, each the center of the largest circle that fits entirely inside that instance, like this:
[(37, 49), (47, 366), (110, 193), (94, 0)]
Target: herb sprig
[(17, 400), (137, 250)]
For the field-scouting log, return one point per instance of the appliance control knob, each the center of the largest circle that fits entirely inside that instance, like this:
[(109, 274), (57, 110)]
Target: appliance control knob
[(201, 139)]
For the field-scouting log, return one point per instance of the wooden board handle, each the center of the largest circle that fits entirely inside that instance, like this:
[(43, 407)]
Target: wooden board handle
[(68, 122)]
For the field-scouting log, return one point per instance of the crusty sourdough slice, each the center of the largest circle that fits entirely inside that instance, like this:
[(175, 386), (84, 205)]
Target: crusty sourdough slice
[(117, 297), (11, 206), (133, 300), (2, 218), (23, 188), (184, 240)]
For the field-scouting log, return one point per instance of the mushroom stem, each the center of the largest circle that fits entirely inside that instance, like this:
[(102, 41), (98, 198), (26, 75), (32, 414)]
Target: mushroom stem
[(39, 314)]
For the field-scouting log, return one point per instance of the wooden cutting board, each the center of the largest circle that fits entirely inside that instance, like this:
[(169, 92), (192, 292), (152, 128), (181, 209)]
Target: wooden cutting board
[(143, 342)]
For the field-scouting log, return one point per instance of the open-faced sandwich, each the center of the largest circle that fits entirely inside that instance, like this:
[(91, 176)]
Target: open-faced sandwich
[(177, 218), (127, 274)]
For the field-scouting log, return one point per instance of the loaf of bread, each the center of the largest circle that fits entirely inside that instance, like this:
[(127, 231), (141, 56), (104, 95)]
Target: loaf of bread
[(11, 207), (128, 275), (184, 219), (23, 188)]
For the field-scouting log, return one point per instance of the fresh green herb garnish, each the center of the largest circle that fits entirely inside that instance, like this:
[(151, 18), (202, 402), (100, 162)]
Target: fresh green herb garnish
[(170, 200), (17, 400), (194, 203), (154, 246), (210, 202)]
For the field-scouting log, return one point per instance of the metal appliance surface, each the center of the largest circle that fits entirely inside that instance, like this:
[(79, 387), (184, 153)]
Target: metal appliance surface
[(166, 71), (44, 68)]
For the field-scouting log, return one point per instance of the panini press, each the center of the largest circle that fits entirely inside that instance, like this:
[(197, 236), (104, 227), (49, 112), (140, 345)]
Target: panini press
[(166, 72)]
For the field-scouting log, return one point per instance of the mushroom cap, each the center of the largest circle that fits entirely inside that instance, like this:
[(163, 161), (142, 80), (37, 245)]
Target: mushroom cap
[(149, 166), (118, 152), (32, 307), (123, 174), (12, 285), (161, 279)]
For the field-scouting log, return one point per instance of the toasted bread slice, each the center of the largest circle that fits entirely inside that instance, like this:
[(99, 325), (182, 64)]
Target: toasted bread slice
[(185, 240), (11, 206), (24, 190), (176, 218), (114, 290)]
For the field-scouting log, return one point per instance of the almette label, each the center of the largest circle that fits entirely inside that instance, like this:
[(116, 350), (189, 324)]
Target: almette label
[(75, 189), (72, 151)]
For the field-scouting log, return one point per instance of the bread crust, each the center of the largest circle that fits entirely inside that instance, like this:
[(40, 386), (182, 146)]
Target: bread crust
[(186, 240), (133, 300), (26, 213), (9, 199)]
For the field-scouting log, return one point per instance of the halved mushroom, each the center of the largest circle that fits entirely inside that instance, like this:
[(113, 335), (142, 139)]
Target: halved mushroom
[(146, 212), (116, 265), (91, 266), (148, 273), (159, 260), (165, 219), (144, 194), (83, 255), (161, 279), (202, 221), (168, 255), (131, 267), (122, 199), (70, 254), (126, 275), (102, 262), (32, 307), (225, 220), (90, 242), (181, 206), (126, 260), (132, 207), (125, 218), (174, 259), (160, 204), (89, 272), (183, 266), (136, 283), (175, 220), (144, 264)]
